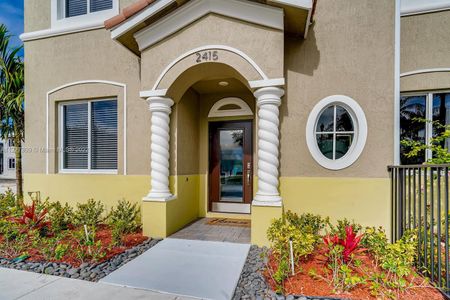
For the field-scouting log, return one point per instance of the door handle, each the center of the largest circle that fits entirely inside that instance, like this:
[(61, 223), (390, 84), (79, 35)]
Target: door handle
[(249, 172)]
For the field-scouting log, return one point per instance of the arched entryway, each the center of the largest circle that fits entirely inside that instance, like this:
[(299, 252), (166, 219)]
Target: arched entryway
[(214, 136)]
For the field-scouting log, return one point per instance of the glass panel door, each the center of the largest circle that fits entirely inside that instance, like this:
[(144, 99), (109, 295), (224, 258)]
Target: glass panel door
[(231, 165)]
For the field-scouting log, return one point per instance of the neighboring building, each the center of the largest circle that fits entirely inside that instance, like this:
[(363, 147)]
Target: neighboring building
[(254, 105), (7, 159)]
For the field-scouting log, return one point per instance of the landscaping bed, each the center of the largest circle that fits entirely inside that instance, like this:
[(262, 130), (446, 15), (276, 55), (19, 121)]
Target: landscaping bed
[(85, 242), (342, 261)]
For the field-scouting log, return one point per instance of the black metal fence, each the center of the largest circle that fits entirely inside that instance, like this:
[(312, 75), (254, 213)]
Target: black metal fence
[(420, 200)]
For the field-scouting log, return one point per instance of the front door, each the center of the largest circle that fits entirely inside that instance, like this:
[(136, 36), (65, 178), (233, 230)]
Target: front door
[(230, 166)]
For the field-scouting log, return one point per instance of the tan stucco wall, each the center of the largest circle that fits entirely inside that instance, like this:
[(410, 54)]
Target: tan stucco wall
[(345, 54), (265, 46), (425, 44), (92, 55)]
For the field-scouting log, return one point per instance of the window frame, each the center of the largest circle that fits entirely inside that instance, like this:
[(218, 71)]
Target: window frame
[(59, 19), (11, 159), (428, 115), (359, 132), (89, 169)]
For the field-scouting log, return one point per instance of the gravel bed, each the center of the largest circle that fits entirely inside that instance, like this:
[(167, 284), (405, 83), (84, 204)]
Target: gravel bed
[(252, 284), (86, 271)]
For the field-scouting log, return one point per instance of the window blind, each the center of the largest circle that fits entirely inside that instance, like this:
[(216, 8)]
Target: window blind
[(76, 8), (75, 136), (99, 5), (104, 135)]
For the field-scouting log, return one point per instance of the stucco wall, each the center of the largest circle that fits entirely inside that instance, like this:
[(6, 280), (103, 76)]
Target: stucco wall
[(347, 52), (265, 46), (91, 55), (425, 44)]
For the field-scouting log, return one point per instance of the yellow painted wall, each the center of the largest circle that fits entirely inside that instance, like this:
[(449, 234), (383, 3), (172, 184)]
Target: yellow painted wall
[(364, 200)]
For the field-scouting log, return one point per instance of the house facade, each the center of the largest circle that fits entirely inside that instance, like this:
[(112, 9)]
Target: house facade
[(237, 108), (7, 159)]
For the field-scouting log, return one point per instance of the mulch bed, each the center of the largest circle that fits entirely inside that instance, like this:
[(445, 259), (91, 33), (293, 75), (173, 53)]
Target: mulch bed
[(103, 234), (303, 284)]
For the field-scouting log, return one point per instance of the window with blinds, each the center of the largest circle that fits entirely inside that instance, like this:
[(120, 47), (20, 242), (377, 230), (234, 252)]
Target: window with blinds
[(89, 135), (75, 8)]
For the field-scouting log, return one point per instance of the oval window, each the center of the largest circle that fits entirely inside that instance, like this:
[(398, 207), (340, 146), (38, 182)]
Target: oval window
[(336, 132)]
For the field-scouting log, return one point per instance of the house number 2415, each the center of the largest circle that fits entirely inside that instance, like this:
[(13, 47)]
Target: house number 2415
[(207, 56)]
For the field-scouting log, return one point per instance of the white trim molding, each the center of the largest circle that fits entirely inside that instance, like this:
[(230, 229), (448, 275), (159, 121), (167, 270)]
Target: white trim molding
[(397, 49), (423, 71), (42, 34), (217, 112), (47, 141), (410, 7), (256, 13), (360, 132), (255, 84), (151, 10), (205, 48)]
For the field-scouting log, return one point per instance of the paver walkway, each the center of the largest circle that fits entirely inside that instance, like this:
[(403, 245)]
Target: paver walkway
[(22, 285), (202, 269), (201, 230)]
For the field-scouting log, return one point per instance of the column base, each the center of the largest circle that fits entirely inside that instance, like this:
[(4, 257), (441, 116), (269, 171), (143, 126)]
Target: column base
[(267, 200), (159, 197)]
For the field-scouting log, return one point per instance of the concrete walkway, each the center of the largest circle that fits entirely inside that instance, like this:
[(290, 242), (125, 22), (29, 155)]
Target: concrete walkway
[(201, 269), (24, 285)]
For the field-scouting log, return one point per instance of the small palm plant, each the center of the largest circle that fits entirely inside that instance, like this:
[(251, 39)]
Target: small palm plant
[(12, 114)]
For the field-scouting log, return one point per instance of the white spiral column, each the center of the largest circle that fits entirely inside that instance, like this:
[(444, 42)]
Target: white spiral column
[(268, 100), (160, 108)]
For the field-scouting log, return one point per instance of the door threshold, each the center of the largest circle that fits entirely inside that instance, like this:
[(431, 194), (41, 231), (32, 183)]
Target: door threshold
[(240, 208)]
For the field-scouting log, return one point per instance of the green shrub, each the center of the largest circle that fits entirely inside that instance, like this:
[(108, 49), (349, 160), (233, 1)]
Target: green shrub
[(375, 241), (339, 229), (61, 250), (123, 219), (60, 216), (89, 213), (307, 222), (8, 204)]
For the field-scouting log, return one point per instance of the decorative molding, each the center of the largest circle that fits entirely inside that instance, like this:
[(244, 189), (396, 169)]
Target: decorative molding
[(160, 108), (268, 100), (210, 47), (46, 33), (188, 13), (423, 7), (360, 129), (152, 93), (151, 10), (255, 84), (243, 110), (423, 71), (124, 86)]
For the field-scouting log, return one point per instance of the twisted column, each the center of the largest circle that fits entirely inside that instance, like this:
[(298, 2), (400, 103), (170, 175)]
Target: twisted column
[(268, 102), (160, 108)]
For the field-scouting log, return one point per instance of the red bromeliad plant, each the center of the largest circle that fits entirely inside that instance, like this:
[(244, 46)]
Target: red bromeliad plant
[(32, 218), (350, 243)]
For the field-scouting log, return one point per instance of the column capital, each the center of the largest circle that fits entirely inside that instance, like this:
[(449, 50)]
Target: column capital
[(269, 95), (161, 104)]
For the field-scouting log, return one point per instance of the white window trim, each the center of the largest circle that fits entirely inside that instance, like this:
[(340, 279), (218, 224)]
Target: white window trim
[(360, 132), (59, 20), (62, 170), (243, 110), (428, 115)]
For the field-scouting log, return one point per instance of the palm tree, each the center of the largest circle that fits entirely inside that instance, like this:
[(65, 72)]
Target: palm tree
[(12, 115)]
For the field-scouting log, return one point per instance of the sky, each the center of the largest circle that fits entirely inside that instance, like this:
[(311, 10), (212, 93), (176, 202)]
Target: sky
[(11, 14)]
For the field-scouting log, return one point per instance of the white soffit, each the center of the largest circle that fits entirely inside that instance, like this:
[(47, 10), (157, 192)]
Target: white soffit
[(243, 10), (413, 7)]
